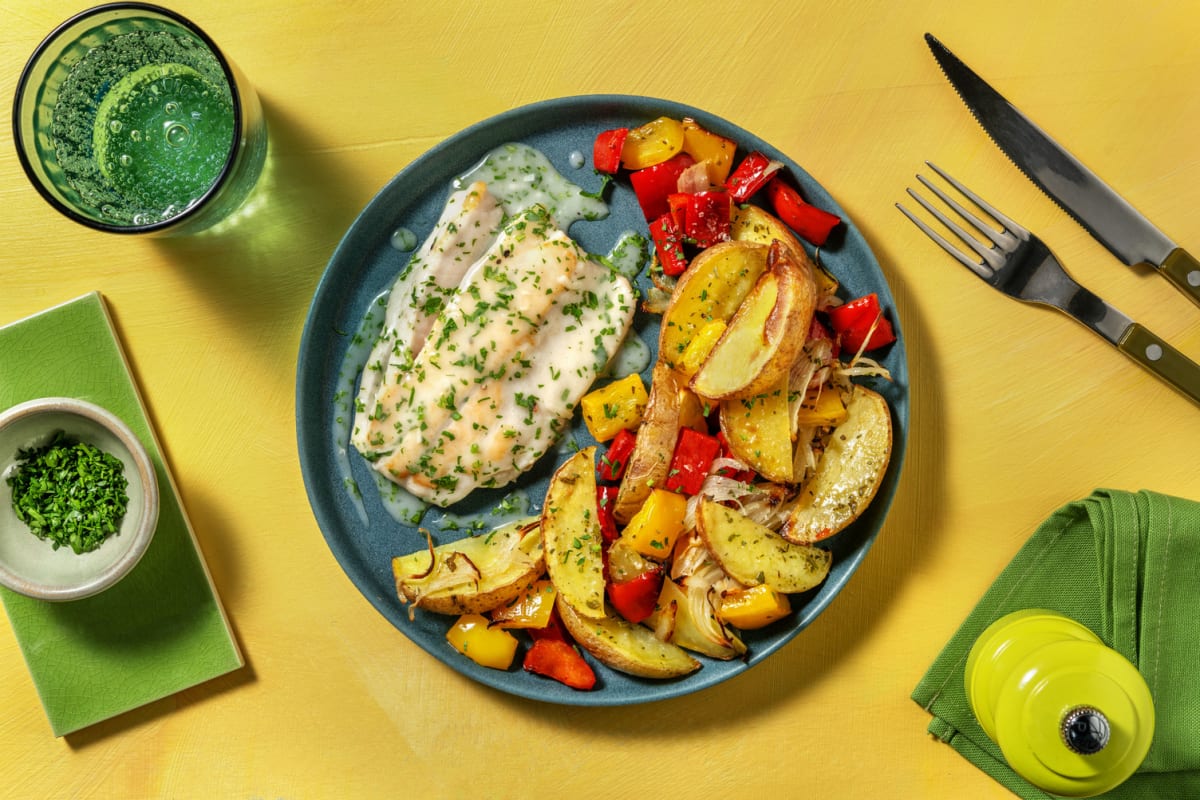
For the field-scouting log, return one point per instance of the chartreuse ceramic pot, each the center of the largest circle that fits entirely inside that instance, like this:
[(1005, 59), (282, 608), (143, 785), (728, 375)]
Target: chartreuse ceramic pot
[(1071, 715)]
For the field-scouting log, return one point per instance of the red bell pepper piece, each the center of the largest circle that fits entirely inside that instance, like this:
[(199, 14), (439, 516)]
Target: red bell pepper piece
[(812, 223), (745, 475), (612, 463), (606, 152), (554, 629), (677, 203), (606, 496), (852, 322), (636, 599), (706, 218), (693, 457), (558, 659), (653, 185), (751, 175), (668, 243), (817, 331)]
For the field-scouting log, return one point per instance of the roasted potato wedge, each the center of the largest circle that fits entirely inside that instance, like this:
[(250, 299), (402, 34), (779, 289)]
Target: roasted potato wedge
[(651, 457), (759, 432), (765, 335), (753, 554), (571, 535), (713, 287), (629, 648), (849, 472), (475, 574), (750, 223)]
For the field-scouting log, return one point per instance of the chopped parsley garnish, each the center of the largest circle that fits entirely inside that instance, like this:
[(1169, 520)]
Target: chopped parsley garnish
[(69, 493)]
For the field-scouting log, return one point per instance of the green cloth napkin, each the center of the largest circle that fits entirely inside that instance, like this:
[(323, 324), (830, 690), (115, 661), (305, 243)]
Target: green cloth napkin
[(1127, 566)]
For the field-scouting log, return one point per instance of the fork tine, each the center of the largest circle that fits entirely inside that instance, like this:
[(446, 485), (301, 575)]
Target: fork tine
[(1002, 241), (993, 212), (985, 253), (976, 267)]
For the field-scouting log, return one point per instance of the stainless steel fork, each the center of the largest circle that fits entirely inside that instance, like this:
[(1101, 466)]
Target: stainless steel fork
[(1020, 265)]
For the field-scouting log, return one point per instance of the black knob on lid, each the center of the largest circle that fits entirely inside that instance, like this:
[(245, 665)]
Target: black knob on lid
[(1085, 730)]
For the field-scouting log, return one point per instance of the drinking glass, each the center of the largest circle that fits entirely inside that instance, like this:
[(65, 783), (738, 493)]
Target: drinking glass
[(129, 119)]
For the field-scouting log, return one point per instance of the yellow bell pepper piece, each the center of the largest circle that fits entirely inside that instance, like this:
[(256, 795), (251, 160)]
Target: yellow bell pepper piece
[(486, 646), (753, 607), (699, 347), (692, 411), (821, 407), (652, 143), (716, 151), (618, 405), (531, 609), (657, 524)]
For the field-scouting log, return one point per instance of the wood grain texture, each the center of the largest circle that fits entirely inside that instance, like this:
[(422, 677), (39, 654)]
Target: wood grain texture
[(1016, 410)]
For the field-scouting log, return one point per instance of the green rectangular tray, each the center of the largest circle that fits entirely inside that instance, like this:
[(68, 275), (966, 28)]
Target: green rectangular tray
[(162, 628)]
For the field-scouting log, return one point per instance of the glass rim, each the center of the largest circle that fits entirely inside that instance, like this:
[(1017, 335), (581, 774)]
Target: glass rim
[(202, 201)]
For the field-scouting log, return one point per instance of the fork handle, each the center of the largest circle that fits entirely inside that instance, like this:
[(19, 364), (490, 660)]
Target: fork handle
[(1181, 269), (1160, 358)]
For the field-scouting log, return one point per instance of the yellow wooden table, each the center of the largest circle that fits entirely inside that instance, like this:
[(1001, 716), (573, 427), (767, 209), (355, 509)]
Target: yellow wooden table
[(1015, 410)]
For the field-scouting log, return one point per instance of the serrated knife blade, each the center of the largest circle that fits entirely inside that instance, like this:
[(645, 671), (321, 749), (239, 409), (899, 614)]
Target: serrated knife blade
[(1103, 213)]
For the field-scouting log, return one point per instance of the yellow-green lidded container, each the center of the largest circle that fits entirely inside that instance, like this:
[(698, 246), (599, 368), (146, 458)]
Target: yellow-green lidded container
[(1071, 715)]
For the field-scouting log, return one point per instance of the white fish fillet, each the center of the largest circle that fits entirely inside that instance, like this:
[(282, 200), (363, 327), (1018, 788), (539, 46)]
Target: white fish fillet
[(501, 368), (508, 424), (465, 230)]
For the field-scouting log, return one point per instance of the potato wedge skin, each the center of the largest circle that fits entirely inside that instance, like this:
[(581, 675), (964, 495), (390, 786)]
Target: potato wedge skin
[(753, 554), (716, 282), (496, 586), (751, 223), (765, 334), (632, 649), (571, 536), (651, 457), (848, 474)]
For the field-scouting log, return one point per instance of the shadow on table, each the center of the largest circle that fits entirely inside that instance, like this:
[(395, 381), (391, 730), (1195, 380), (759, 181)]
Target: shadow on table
[(805, 664), (258, 270), (259, 267), (160, 709), (215, 543)]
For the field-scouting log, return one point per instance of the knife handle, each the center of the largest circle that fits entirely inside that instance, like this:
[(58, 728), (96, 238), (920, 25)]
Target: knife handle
[(1163, 360), (1184, 271)]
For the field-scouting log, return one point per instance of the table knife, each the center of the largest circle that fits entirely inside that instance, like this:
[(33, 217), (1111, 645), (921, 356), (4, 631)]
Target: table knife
[(1108, 217)]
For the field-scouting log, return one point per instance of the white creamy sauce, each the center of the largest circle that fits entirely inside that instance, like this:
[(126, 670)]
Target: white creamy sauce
[(343, 399), (634, 356), (400, 505), (629, 255), (513, 507), (403, 239), (522, 177)]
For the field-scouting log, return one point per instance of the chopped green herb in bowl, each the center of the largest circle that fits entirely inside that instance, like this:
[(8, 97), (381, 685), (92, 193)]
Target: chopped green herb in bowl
[(70, 493), (78, 499)]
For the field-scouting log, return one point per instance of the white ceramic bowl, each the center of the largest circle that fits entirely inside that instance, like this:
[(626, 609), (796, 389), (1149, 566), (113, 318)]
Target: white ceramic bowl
[(32, 566)]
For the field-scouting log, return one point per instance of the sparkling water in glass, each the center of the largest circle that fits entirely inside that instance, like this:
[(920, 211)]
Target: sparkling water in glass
[(128, 118)]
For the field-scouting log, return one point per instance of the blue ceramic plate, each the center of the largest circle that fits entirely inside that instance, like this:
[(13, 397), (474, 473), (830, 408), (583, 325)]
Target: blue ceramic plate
[(359, 530)]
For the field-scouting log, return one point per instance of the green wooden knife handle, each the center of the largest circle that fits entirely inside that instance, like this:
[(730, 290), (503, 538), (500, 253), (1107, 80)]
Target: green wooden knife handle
[(1163, 360), (1183, 271)]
